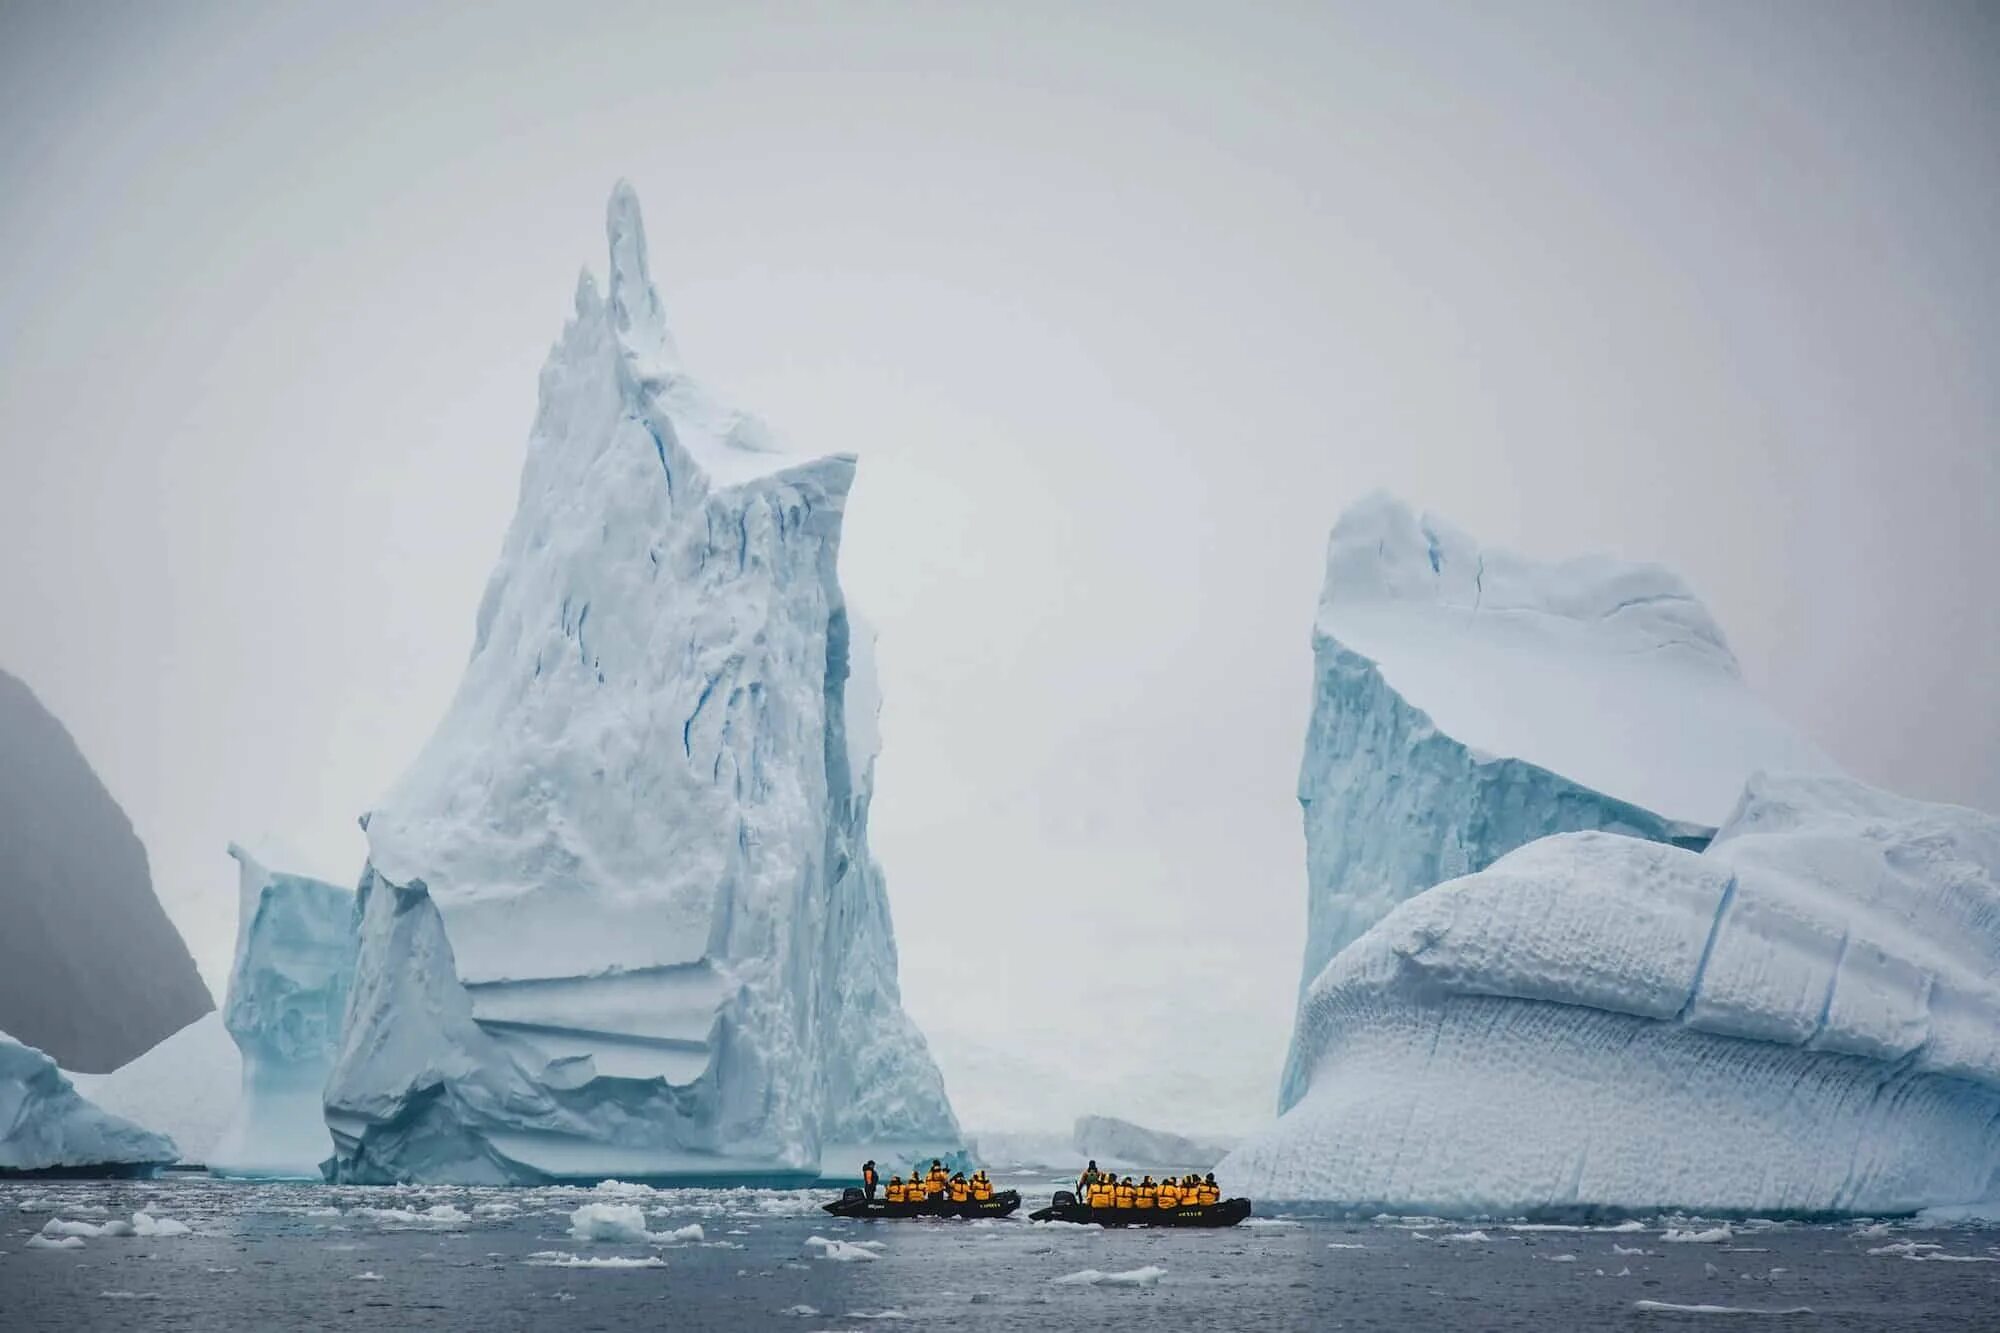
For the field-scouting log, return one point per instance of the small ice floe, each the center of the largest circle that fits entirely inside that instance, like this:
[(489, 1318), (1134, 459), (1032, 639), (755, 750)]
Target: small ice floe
[(216, 1272), (367, 1277), (1267, 1222), (1906, 1248), (876, 1314), (625, 1223), (1624, 1228), (1344, 1245), (1873, 1229), (1616, 1248), (1148, 1276), (799, 1311), (620, 1189), (1057, 1224), (441, 1215), (56, 1228), (55, 1243), (1668, 1307), (563, 1259), (1712, 1236), (495, 1209), (1558, 1258), (322, 1212), (844, 1251), (36, 1206), (1466, 1235), (130, 1295), (147, 1225)]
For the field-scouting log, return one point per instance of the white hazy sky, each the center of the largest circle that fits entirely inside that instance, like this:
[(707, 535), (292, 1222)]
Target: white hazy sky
[(1119, 305)]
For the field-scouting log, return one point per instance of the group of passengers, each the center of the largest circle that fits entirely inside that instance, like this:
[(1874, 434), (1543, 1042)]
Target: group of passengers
[(1106, 1189), (934, 1186)]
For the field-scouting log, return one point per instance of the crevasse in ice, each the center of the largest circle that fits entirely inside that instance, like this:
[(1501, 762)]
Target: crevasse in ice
[(1802, 1018), (1467, 701), (620, 917), (287, 996), (46, 1125)]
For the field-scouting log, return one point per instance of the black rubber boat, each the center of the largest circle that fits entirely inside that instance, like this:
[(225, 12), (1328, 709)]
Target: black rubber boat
[(1065, 1208), (853, 1203)]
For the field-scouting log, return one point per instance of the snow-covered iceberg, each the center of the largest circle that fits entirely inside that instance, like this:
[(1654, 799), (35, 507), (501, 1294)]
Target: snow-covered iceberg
[(1803, 1018), (620, 917), (46, 1126), (287, 996), (1469, 701), (91, 969), (1114, 1142)]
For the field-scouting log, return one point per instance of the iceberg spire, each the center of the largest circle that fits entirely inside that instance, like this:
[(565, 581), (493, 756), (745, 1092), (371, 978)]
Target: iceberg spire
[(635, 307)]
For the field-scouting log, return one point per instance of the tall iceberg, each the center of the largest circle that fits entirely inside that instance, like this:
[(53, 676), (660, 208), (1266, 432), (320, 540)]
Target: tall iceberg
[(48, 1128), (1802, 1019), (620, 917), (91, 970), (287, 996), (1468, 701)]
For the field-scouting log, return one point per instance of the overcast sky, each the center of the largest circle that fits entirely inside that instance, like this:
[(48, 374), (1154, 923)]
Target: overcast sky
[(1119, 306)]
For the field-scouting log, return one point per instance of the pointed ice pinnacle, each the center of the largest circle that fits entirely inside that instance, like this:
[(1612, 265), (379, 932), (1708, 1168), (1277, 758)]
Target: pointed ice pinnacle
[(635, 306)]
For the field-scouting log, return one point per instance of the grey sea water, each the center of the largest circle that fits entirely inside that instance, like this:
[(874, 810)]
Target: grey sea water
[(268, 1257)]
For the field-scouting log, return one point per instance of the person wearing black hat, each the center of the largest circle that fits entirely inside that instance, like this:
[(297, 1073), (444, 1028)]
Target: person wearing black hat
[(868, 1178)]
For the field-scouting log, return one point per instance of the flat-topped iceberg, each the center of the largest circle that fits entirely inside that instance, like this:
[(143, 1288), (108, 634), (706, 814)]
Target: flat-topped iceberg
[(1804, 1018), (287, 996), (1468, 701), (620, 917), (46, 1126)]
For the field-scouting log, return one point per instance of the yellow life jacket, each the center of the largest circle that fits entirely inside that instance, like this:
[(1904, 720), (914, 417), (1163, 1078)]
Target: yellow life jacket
[(1100, 1194), (1170, 1194), (1124, 1195), (982, 1188), (893, 1191), (960, 1191), (1209, 1193)]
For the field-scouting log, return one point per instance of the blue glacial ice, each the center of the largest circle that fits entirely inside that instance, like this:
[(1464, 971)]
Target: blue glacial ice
[(620, 917), (46, 1125), (1801, 1019), (288, 988), (1468, 701)]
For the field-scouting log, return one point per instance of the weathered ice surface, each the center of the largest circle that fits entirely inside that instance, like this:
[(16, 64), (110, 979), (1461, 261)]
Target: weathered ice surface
[(287, 995), (46, 1126), (1468, 701), (1804, 1018), (620, 917), (91, 970)]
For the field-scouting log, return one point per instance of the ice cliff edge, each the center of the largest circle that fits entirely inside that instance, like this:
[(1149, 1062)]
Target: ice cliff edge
[(620, 916), (287, 997), (1468, 701)]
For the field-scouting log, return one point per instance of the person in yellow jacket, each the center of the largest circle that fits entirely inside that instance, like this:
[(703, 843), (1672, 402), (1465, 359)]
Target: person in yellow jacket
[(938, 1182), (1148, 1195), (961, 1192), (1170, 1194), (1126, 1195), (982, 1186), (1101, 1192), (1210, 1192), (893, 1191)]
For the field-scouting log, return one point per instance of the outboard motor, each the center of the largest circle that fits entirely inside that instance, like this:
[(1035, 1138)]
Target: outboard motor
[(853, 1194), (1063, 1199)]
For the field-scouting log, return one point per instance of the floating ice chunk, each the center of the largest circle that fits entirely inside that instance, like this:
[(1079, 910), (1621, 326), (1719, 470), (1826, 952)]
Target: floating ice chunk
[(1057, 1224), (562, 1259), (1558, 1258), (799, 1311), (56, 1226), (1711, 1236), (609, 1221), (148, 1225), (1267, 1222), (1616, 1248), (55, 1242), (367, 1277), (844, 1251), (48, 1123), (322, 1212), (1466, 1235), (1344, 1245), (130, 1295), (1133, 1277)]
